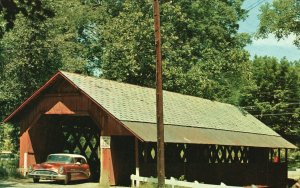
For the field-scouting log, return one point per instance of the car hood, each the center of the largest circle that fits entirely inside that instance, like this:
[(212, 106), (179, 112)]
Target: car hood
[(48, 166)]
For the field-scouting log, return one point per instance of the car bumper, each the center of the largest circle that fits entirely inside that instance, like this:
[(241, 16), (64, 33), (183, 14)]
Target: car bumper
[(46, 176)]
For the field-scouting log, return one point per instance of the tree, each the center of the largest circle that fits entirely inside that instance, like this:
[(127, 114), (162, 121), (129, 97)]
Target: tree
[(26, 56), (202, 57), (281, 18), (203, 53), (9, 9), (274, 96), (42, 40), (7, 138)]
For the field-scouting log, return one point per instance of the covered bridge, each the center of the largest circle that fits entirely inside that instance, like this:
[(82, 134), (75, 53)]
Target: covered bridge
[(114, 125)]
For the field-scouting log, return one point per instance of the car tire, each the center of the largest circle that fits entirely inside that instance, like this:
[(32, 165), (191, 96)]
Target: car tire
[(67, 179), (36, 180)]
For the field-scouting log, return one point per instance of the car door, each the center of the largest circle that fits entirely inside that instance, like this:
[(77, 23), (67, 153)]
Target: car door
[(85, 169), (73, 170), (78, 168)]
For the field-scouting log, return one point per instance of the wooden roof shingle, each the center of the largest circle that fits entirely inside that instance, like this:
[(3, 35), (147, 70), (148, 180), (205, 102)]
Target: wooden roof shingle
[(138, 104)]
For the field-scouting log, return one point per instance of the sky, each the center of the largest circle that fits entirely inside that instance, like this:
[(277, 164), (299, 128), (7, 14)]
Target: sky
[(269, 46)]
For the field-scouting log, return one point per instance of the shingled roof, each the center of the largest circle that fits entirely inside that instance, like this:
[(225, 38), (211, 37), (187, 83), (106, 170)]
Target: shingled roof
[(138, 104), (187, 119)]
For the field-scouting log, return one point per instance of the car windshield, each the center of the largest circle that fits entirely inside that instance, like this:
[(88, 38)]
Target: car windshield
[(59, 159)]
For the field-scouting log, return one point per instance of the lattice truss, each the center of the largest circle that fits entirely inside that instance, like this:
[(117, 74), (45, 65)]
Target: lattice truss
[(195, 153), (228, 154), (173, 152), (81, 139)]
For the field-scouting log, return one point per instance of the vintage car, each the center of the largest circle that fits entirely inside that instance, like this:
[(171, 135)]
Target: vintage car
[(65, 167)]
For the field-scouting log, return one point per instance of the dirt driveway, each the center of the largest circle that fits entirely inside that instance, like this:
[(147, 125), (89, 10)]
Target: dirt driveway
[(27, 183)]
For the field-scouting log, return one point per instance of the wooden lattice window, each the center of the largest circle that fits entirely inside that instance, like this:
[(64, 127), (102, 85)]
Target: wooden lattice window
[(81, 139), (147, 152), (277, 155), (228, 154), (187, 153)]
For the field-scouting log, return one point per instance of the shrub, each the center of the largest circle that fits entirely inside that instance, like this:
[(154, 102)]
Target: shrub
[(3, 173), (9, 168)]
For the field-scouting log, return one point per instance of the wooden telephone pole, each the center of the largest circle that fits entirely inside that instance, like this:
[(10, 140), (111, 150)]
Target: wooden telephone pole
[(159, 99)]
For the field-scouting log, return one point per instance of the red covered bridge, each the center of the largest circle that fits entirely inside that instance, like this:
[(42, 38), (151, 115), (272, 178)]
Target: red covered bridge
[(114, 125)]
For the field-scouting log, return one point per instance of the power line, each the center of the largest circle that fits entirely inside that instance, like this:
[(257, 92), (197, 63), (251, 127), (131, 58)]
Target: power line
[(254, 5), (249, 107), (38, 48), (275, 114)]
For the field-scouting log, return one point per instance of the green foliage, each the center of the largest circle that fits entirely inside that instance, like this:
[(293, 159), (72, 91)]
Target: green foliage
[(3, 172), (273, 96), (148, 185), (10, 9), (5, 141), (26, 56), (9, 138), (294, 159), (75, 35), (281, 18), (9, 168), (203, 54), (115, 39)]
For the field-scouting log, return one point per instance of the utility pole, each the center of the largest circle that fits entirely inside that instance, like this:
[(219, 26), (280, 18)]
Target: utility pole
[(159, 99)]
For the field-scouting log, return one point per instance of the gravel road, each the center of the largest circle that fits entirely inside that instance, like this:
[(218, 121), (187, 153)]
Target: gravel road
[(27, 183)]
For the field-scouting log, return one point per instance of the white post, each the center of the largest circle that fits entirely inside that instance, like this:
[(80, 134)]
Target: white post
[(25, 163), (132, 180), (137, 173), (137, 165)]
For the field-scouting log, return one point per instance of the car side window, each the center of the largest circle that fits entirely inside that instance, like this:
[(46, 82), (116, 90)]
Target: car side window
[(80, 160), (83, 161), (72, 160), (77, 160)]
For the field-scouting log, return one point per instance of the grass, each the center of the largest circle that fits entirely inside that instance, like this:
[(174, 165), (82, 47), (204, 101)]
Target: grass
[(148, 185), (154, 185)]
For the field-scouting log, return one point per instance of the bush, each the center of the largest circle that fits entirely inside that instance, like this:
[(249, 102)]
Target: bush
[(293, 159), (3, 173), (9, 168)]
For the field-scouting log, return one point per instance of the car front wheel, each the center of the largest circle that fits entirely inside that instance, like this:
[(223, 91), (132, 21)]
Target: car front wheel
[(67, 179), (36, 180)]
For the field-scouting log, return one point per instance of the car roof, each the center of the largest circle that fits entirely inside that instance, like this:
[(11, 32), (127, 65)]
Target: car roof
[(70, 155)]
